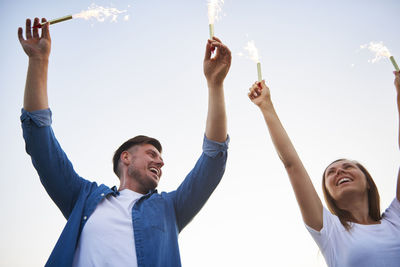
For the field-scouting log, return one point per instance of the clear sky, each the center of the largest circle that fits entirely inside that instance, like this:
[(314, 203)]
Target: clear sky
[(111, 81)]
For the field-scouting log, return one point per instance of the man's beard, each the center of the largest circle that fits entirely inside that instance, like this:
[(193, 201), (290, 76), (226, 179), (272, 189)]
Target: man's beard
[(144, 180)]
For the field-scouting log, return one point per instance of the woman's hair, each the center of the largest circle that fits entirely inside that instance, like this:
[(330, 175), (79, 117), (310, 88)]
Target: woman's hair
[(346, 217)]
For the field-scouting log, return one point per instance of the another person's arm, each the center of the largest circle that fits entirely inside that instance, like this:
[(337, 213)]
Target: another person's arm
[(55, 170), (307, 198), (199, 184), (397, 84)]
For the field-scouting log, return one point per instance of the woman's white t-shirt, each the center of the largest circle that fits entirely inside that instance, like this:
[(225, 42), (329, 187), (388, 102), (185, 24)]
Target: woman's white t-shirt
[(376, 245)]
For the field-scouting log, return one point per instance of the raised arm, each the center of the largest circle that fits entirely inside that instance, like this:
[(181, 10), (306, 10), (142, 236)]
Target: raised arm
[(215, 69), (202, 180), (38, 50), (307, 198), (397, 84), (56, 172)]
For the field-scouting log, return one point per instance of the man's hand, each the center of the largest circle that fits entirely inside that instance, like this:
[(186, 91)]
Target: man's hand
[(216, 68), (38, 50), (35, 46)]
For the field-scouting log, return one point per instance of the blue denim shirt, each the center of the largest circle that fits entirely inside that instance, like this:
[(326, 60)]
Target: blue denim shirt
[(157, 217)]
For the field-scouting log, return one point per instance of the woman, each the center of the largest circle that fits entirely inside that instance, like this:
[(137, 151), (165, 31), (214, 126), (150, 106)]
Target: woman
[(353, 232)]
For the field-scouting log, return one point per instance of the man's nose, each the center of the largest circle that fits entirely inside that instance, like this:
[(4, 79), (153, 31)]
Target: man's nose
[(159, 162)]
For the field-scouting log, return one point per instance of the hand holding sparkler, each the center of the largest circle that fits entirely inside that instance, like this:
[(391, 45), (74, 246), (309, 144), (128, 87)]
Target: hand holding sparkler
[(35, 46), (260, 94), (216, 68)]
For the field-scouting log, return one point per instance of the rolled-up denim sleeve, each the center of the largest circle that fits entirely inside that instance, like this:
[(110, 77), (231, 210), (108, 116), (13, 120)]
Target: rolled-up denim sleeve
[(56, 172), (214, 149), (201, 182)]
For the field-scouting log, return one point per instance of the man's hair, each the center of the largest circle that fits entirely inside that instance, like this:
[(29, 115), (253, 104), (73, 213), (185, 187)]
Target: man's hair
[(346, 217), (137, 140)]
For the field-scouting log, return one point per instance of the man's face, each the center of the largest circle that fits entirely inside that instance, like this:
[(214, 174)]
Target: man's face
[(145, 167)]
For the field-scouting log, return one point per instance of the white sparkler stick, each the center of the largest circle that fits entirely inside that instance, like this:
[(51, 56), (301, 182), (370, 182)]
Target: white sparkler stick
[(54, 21), (394, 63), (259, 71), (211, 28)]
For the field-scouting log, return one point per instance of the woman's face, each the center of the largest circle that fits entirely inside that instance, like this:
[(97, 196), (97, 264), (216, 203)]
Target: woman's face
[(344, 177)]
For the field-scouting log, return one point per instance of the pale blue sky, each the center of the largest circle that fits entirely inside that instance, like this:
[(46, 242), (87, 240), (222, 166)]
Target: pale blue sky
[(111, 81)]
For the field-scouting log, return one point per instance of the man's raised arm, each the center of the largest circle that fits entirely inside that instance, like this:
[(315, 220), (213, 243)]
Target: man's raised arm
[(215, 69), (38, 50), (56, 172), (199, 184)]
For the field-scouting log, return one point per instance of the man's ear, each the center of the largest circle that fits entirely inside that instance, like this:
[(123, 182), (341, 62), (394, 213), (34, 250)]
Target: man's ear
[(125, 157)]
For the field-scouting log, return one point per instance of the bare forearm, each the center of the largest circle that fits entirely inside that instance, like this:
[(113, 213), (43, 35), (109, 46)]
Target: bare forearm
[(280, 139), (216, 125), (307, 198), (35, 97)]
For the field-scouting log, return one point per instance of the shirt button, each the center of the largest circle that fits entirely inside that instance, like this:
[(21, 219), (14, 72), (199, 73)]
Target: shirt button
[(102, 194), (85, 217)]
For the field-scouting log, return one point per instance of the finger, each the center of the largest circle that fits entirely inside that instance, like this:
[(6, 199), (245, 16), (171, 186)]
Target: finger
[(45, 29), (36, 30), (208, 51), (263, 84), (28, 33), (217, 39), (20, 37), (254, 93), (250, 96), (220, 48)]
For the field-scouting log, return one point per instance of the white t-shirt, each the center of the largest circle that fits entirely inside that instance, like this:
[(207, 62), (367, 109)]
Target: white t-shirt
[(375, 245), (107, 239)]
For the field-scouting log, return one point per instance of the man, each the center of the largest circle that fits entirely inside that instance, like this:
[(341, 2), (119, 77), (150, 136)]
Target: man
[(134, 225)]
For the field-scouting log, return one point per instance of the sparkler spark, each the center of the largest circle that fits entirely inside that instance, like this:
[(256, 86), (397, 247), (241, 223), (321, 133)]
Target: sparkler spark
[(380, 51), (253, 55), (99, 13), (253, 51), (94, 11), (214, 7)]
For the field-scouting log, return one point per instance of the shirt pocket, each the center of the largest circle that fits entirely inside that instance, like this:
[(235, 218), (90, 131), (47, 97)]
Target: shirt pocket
[(156, 214)]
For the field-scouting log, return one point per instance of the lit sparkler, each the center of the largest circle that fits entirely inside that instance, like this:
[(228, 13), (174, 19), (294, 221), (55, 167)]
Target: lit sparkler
[(253, 54), (380, 51), (94, 11), (214, 7)]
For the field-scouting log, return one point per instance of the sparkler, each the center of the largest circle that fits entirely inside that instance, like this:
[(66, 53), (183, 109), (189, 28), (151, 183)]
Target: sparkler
[(253, 54), (380, 51), (98, 12), (394, 63), (54, 21), (214, 7)]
